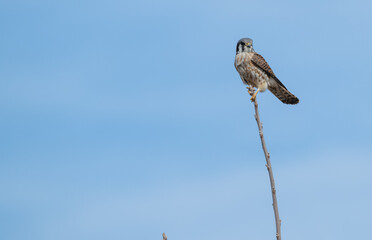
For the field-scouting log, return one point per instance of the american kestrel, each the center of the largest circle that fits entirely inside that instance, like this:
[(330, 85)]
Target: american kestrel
[(254, 71)]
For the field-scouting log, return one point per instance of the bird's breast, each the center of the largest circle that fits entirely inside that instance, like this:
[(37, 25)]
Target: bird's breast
[(242, 58), (249, 73)]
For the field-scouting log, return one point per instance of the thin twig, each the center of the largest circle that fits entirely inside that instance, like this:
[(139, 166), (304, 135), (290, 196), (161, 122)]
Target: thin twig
[(164, 236), (269, 168)]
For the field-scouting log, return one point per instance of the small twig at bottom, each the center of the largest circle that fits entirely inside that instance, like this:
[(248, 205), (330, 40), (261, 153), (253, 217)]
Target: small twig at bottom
[(164, 236), (268, 166)]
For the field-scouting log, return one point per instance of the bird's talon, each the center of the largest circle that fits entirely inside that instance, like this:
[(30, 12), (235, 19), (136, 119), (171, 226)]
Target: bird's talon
[(250, 90)]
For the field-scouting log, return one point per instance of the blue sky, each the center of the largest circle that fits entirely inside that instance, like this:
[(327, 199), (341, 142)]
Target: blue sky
[(126, 119)]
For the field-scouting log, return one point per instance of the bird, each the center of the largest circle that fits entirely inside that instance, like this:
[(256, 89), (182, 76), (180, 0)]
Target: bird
[(256, 72)]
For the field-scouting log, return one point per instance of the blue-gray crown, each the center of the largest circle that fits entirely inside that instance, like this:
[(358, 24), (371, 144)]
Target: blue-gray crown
[(244, 45)]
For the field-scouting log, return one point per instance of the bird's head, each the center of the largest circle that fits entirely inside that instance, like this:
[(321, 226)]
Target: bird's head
[(244, 45)]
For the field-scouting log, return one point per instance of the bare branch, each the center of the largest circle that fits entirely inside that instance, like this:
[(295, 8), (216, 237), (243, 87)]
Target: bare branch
[(164, 236), (268, 166)]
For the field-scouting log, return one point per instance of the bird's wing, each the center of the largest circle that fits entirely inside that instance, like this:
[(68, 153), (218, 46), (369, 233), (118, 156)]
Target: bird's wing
[(261, 63), (274, 85)]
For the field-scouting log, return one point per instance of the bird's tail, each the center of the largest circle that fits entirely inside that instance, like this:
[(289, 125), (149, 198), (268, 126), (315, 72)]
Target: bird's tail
[(284, 95)]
